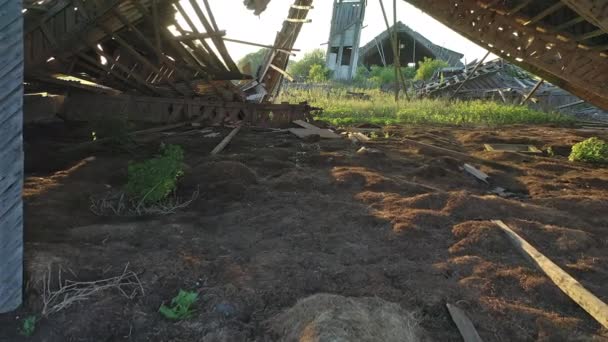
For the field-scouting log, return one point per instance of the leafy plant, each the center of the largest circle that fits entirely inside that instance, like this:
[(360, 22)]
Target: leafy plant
[(592, 150), (301, 69), (427, 68), (180, 306), (152, 180), (28, 326), (319, 73)]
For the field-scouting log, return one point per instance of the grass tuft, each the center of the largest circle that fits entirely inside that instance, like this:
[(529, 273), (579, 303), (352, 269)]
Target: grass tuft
[(342, 109), (180, 306)]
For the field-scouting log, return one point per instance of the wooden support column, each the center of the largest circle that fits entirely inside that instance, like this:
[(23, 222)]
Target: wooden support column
[(11, 155)]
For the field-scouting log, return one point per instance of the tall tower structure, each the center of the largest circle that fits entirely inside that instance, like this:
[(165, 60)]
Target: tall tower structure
[(344, 37)]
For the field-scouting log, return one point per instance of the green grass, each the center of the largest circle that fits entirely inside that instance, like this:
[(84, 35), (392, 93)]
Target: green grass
[(181, 306), (340, 109)]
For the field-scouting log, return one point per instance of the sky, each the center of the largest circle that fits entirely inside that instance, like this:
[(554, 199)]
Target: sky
[(242, 24)]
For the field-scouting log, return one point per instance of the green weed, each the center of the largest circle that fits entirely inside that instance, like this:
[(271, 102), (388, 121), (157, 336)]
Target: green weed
[(592, 150), (180, 306), (381, 109), (152, 180), (28, 326)]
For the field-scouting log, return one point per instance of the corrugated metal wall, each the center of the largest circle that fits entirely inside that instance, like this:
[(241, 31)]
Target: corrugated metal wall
[(11, 154)]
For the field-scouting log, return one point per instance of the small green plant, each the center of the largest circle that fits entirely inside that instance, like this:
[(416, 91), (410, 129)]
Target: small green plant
[(373, 135), (152, 180), (181, 306), (427, 68), (28, 326), (592, 150)]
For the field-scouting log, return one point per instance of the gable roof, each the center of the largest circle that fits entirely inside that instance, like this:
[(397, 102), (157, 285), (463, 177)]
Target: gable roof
[(452, 57)]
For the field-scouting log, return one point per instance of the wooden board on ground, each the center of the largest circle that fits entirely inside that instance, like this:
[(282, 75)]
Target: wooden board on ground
[(464, 324), (570, 286), (310, 129), (522, 148), (482, 176), (226, 140)]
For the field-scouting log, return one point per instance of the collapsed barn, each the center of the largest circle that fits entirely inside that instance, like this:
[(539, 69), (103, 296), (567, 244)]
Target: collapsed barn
[(160, 62), (504, 82), (421, 218)]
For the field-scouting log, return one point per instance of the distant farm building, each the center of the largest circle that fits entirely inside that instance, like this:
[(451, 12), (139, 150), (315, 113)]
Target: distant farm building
[(413, 48), (344, 38)]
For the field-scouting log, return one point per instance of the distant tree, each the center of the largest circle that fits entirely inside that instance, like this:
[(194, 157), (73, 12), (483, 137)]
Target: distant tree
[(427, 68), (318, 73), (252, 61), (301, 69)]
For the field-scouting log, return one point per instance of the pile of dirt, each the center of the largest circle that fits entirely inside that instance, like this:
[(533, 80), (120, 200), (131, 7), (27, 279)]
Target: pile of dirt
[(326, 318)]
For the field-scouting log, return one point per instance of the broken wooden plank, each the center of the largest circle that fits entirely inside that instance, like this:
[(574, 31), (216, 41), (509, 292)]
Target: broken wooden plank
[(464, 324), (570, 286), (482, 176), (305, 132), (226, 140), (360, 136), (522, 148), (438, 149), (305, 124)]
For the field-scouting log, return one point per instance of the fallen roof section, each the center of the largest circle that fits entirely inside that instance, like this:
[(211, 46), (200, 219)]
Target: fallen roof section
[(564, 42)]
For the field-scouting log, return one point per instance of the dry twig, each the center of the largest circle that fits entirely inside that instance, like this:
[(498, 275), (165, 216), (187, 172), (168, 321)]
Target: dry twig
[(70, 292)]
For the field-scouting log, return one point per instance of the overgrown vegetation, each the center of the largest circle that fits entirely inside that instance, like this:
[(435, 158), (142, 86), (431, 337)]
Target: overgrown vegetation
[(181, 306), (152, 180), (342, 109), (428, 67), (301, 69), (377, 76), (592, 150), (28, 326), (252, 61), (319, 74)]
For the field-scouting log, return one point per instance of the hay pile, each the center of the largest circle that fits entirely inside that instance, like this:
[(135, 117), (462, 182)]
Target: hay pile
[(325, 318)]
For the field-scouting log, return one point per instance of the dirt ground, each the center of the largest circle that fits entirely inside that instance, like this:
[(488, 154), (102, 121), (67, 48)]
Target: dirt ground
[(279, 219)]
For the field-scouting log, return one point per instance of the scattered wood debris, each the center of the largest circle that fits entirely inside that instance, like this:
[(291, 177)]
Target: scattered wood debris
[(522, 148), (464, 324), (477, 173), (310, 129), (570, 286)]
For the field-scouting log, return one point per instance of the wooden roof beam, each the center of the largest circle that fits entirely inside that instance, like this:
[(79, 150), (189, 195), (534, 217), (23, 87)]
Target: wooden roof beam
[(519, 7), (547, 12), (590, 35), (594, 11)]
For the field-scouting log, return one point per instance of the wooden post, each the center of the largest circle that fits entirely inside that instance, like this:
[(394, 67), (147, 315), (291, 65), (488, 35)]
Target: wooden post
[(470, 75), (533, 91), (11, 155), (395, 53)]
